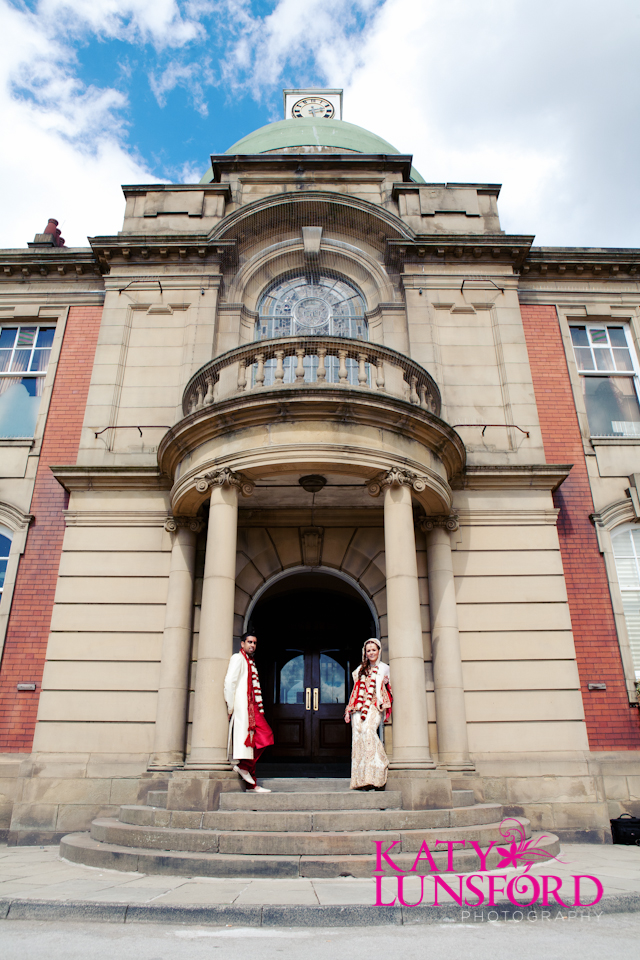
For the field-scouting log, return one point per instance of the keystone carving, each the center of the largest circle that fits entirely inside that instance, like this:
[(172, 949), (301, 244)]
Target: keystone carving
[(225, 477), (396, 477), (195, 524), (447, 522)]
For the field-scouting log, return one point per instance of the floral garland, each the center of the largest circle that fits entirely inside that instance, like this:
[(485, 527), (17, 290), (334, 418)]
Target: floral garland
[(254, 698)]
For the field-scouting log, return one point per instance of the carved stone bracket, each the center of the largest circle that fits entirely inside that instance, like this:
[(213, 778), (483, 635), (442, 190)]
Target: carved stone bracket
[(311, 543), (223, 477), (447, 522), (396, 477), (195, 524)]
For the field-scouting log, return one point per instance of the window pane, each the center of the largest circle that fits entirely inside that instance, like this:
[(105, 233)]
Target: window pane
[(40, 359), (579, 336), (617, 337), (598, 336), (292, 681), (7, 337), (622, 545), (622, 359), (332, 680), (20, 361), (631, 607), (45, 337), (19, 404), (5, 547), (5, 358), (584, 358), (612, 406), (604, 360)]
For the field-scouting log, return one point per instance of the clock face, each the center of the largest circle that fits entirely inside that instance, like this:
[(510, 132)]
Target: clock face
[(313, 107)]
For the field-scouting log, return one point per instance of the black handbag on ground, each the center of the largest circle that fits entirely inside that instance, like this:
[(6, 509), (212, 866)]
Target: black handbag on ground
[(626, 829)]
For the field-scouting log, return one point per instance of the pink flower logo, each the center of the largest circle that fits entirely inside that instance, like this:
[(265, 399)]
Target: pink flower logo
[(521, 851)]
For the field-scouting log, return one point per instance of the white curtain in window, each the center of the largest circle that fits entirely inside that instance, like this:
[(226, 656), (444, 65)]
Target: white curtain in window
[(626, 550)]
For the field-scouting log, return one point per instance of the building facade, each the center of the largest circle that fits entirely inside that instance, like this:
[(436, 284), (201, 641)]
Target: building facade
[(320, 398)]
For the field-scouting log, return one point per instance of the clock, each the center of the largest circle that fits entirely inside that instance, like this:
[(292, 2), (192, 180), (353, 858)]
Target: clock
[(314, 107)]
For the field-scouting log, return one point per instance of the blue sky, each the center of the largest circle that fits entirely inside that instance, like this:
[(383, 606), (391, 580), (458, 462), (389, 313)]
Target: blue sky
[(542, 97)]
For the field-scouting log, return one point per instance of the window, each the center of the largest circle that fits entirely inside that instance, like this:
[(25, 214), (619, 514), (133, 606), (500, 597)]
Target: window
[(312, 306), (24, 357), (5, 547), (609, 377), (626, 550)]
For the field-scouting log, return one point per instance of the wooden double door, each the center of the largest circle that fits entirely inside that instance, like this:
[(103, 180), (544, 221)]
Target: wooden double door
[(309, 643)]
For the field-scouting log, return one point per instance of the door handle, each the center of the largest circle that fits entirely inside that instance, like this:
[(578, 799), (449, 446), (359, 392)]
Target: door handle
[(307, 701), (315, 698)]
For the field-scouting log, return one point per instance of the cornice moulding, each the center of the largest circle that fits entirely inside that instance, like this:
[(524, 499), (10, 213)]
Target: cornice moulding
[(162, 248), (538, 476), (110, 478), (458, 248), (581, 261), (115, 518)]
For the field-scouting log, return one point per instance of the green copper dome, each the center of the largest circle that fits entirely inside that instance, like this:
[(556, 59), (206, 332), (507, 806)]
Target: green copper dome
[(308, 132)]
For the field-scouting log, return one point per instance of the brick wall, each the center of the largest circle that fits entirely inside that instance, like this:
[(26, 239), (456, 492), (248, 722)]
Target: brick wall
[(611, 723), (28, 629)]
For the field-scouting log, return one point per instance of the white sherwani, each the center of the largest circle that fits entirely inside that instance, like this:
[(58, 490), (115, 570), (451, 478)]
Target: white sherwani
[(235, 694)]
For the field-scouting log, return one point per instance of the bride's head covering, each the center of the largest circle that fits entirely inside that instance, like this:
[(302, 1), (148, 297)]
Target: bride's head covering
[(371, 640)]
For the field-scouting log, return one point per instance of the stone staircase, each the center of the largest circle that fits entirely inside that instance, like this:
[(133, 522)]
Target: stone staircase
[(307, 828)]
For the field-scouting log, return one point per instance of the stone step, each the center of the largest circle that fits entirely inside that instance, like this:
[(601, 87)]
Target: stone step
[(158, 798), (306, 784), (314, 800), (289, 843), (463, 798), (81, 848), (333, 821)]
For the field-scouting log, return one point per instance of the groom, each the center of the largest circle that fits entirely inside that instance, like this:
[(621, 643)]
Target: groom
[(250, 733)]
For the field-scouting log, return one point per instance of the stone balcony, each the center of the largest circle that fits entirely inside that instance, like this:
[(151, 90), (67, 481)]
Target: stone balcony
[(312, 403), (322, 361)]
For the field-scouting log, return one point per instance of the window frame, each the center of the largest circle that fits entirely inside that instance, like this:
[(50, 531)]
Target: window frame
[(633, 375), (17, 324)]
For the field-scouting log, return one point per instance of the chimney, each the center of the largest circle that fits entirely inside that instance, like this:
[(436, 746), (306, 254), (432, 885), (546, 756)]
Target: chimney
[(50, 238)]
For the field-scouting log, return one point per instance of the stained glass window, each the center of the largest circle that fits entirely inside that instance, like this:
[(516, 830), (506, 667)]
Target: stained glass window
[(312, 306)]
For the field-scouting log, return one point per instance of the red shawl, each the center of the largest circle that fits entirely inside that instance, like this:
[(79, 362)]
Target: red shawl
[(254, 698)]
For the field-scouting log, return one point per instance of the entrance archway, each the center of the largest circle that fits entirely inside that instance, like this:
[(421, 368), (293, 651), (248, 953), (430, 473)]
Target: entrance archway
[(311, 627)]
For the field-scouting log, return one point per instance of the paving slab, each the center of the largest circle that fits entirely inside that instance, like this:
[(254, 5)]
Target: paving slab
[(39, 885)]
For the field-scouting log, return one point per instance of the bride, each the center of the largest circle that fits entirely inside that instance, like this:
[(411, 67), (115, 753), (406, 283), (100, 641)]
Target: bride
[(370, 698)]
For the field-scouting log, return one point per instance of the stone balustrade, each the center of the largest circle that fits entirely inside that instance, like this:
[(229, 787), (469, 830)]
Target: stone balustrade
[(311, 361)]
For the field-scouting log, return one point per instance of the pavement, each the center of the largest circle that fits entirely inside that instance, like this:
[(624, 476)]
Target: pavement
[(36, 884)]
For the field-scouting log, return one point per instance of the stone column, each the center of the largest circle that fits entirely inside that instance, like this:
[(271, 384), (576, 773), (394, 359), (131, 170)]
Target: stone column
[(215, 644), (173, 690), (406, 657), (451, 718)]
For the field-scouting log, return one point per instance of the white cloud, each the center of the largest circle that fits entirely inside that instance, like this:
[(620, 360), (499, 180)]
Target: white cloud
[(542, 97), (157, 21), (192, 76), (62, 154)]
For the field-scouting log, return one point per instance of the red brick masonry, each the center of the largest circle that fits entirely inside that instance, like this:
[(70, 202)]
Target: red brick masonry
[(28, 631), (611, 723)]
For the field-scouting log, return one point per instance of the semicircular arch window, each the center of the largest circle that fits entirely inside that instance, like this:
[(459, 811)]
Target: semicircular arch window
[(305, 306), (312, 306)]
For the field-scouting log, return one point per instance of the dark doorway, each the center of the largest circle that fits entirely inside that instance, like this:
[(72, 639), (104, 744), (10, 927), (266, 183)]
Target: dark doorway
[(311, 629)]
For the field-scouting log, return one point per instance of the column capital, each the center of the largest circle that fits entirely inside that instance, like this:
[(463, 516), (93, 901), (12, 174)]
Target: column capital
[(195, 524), (396, 477), (447, 522), (225, 477)]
